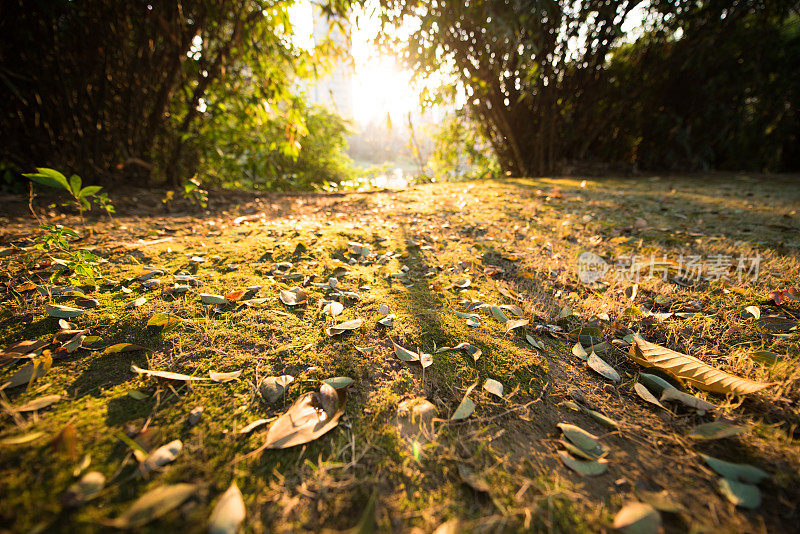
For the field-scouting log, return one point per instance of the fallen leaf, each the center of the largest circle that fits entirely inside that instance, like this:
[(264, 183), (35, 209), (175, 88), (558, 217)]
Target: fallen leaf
[(716, 430), (599, 366), (165, 321), (511, 324), (638, 518), (466, 407), (228, 513), (425, 359), (586, 441), (293, 298), (161, 456), (655, 383), (333, 309), (740, 493), (645, 395), (755, 311), (21, 439), (84, 490), (136, 303), (224, 377), (344, 327), (498, 314), (580, 352), (123, 347), (272, 388), (38, 404), (586, 468), (672, 394), (405, 354), (301, 423), (388, 320), (62, 312), (494, 387), (692, 370), (207, 298), (338, 382), (733, 471), (153, 505), (252, 426), (168, 375), (29, 372)]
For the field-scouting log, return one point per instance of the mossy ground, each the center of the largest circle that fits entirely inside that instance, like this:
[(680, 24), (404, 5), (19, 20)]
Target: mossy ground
[(521, 235)]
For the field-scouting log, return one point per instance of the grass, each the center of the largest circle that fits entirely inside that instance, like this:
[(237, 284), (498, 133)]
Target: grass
[(521, 235)]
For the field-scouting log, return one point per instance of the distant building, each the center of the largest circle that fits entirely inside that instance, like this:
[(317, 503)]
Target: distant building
[(335, 90)]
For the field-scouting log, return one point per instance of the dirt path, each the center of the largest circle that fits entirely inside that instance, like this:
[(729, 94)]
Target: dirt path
[(440, 256)]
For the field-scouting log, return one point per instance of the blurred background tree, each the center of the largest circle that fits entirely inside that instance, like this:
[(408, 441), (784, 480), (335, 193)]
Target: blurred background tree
[(660, 84), (155, 91)]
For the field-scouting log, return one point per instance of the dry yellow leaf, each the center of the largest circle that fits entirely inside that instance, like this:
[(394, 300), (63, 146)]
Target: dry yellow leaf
[(691, 370)]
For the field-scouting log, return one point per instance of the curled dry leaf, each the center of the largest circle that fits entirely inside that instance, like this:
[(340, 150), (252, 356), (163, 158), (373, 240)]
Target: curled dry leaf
[(691, 370), (293, 298), (229, 512), (333, 309), (638, 518), (302, 422), (153, 505), (272, 388)]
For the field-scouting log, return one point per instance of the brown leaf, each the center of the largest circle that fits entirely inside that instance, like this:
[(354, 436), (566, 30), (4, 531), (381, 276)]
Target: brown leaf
[(301, 423), (691, 370)]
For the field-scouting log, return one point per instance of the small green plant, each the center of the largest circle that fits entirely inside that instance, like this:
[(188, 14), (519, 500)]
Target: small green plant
[(196, 195), (53, 242), (82, 196)]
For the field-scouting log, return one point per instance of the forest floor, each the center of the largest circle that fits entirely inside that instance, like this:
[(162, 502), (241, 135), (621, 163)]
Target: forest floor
[(452, 263)]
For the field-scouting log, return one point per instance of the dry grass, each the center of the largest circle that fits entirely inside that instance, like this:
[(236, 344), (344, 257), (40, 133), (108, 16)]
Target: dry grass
[(522, 235)]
